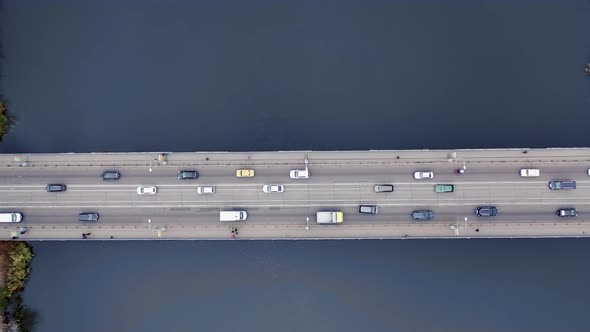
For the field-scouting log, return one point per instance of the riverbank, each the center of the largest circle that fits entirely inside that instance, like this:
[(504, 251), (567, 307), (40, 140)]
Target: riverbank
[(3, 120), (15, 261)]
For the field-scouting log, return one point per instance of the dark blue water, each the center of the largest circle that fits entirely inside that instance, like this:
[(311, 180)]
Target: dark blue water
[(82, 75), (452, 285), (267, 75)]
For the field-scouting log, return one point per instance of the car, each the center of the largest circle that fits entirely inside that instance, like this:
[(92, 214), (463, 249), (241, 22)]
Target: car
[(444, 188), (245, 173), (529, 172), (88, 216), (567, 212), (205, 190), (53, 188), (111, 175), (423, 175), (152, 190), (383, 188), (299, 174), (273, 188), (562, 185), (368, 209), (588, 171), (486, 211), (187, 175), (422, 215)]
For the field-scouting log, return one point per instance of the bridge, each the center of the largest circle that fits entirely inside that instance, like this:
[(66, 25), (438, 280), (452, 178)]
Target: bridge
[(339, 181)]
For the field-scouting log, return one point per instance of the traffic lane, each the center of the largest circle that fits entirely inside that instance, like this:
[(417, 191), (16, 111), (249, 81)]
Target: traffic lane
[(122, 197), (135, 216), (166, 174)]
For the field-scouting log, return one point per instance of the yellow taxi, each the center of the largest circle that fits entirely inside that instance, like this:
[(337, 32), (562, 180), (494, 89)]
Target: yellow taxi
[(245, 173)]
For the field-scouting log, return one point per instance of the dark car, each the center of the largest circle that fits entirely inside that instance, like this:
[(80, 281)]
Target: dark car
[(368, 209), (562, 185), (383, 188), (53, 188), (88, 216), (567, 212), (486, 211), (185, 175), (110, 175), (422, 215)]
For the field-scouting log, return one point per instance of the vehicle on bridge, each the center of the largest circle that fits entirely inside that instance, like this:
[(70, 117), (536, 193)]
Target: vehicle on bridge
[(422, 215), (567, 212), (444, 188), (111, 175), (562, 185), (205, 190), (245, 173), (187, 175), (330, 217), (273, 188), (486, 211), (529, 172), (152, 190), (383, 188), (54, 188), (232, 215), (423, 175), (368, 209), (88, 216), (11, 217), (299, 173)]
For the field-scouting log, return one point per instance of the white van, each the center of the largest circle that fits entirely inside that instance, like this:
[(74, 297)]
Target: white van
[(11, 217), (232, 215), (529, 172)]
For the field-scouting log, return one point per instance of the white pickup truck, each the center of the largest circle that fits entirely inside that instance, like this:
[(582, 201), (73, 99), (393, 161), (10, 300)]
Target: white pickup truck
[(529, 172)]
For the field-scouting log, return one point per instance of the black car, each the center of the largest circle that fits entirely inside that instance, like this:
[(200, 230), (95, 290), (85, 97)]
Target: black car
[(422, 215), (185, 175), (567, 212), (88, 216), (53, 188), (562, 185), (110, 175), (383, 188), (486, 211)]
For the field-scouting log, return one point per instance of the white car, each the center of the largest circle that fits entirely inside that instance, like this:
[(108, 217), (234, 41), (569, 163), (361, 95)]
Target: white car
[(588, 171), (273, 188), (299, 174), (421, 175), (147, 190), (205, 190)]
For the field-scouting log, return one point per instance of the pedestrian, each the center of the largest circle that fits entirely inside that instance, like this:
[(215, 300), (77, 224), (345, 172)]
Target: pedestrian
[(233, 236), (83, 235)]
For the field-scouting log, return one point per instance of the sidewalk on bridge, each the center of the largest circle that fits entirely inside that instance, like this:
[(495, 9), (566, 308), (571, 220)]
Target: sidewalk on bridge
[(278, 232), (295, 158)]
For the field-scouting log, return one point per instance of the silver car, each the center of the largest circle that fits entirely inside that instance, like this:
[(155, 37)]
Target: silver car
[(205, 190)]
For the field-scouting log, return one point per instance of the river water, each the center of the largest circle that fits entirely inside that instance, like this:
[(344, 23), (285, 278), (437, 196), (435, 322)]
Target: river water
[(83, 76)]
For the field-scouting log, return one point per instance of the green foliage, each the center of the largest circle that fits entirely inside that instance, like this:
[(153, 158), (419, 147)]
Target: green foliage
[(19, 259), (4, 298), (3, 120)]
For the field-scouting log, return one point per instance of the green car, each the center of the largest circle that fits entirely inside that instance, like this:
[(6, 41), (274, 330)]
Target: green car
[(444, 188)]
